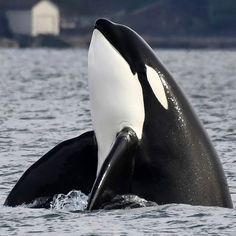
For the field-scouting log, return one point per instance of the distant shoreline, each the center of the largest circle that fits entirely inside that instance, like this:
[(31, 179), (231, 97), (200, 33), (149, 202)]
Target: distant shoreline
[(194, 42), (175, 42)]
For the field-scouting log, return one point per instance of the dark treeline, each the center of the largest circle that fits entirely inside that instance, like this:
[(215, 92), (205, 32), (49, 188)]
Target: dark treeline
[(192, 15), (163, 23)]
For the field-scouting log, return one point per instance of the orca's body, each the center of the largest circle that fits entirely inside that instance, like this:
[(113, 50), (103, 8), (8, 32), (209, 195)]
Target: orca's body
[(149, 141), (70, 165)]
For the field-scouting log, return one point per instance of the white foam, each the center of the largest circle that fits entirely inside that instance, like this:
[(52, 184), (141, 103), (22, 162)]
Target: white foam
[(73, 201)]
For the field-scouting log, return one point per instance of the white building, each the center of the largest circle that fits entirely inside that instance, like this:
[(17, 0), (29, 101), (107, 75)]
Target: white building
[(31, 17)]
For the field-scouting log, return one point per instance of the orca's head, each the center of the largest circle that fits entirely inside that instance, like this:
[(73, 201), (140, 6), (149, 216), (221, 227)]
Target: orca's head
[(125, 41), (119, 59)]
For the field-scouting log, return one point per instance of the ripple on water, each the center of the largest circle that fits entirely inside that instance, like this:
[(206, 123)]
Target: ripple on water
[(44, 101)]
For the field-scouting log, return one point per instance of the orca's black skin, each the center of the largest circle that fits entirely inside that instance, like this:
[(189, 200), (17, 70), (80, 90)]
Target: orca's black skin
[(176, 162), (70, 165), (116, 174)]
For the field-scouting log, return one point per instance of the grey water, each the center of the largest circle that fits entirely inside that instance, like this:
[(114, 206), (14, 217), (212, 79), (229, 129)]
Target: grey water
[(44, 100)]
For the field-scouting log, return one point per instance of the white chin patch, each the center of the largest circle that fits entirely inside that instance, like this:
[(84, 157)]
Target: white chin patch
[(115, 94), (157, 86)]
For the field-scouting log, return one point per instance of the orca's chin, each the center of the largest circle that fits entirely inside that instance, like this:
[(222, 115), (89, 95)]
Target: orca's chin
[(115, 94), (100, 24)]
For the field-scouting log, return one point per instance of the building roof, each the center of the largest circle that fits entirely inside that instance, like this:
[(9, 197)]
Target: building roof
[(20, 4)]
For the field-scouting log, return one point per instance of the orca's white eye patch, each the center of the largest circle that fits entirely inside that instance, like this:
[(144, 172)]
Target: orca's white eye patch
[(157, 86)]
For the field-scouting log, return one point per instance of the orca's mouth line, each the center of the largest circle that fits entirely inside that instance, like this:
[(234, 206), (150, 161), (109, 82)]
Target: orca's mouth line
[(99, 28)]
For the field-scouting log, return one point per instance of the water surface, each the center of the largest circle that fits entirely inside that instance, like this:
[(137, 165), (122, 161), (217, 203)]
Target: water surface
[(44, 100)]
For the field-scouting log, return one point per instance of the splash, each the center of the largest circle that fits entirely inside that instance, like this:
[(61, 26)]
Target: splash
[(73, 201), (127, 202), (77, 201)]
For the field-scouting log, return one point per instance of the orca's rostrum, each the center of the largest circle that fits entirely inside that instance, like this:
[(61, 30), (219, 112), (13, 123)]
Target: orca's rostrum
[(147, 140)]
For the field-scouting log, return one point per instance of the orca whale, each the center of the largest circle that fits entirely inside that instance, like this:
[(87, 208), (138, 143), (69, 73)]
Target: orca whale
[(147, 140)]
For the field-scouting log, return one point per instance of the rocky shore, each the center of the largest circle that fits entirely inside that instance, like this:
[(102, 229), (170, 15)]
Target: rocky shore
[(82, 41)]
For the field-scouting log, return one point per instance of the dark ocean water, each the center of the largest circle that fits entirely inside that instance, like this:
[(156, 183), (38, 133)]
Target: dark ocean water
[(44, 100)]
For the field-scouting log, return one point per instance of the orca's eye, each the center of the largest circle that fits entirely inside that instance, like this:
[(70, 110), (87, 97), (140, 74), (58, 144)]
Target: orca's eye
[(157, 86)]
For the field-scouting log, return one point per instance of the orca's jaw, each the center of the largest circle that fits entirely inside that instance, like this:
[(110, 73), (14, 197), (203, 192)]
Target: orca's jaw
[(115, 94)]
